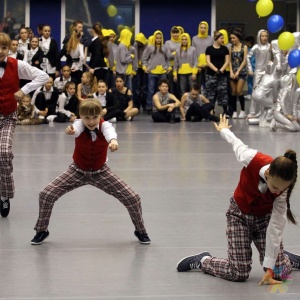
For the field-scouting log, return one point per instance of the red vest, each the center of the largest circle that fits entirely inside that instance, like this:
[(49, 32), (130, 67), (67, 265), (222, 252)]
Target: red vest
[(247, 195), (9, 84), (89, 155)]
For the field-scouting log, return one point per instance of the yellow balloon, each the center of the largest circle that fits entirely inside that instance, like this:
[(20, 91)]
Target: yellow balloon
[(264, 7), (298, 76), (286, 40), (112, 10)]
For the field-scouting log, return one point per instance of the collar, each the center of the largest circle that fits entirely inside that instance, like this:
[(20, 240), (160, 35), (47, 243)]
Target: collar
[(262, 172)]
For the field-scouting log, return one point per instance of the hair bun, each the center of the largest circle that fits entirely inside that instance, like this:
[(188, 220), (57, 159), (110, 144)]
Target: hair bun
[(291, 155)]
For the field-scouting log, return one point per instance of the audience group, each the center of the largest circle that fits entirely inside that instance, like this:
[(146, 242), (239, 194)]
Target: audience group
[(179, 79)]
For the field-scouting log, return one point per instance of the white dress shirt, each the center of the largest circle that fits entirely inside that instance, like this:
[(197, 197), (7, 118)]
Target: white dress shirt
[(26, 71), (274, 233)]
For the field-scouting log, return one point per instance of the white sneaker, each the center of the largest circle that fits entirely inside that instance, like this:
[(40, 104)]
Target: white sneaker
[(242, 115), (234, 115), (128, 119), (113, 120), (273, 125)]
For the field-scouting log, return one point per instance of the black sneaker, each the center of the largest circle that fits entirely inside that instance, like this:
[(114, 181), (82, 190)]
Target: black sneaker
[(294, 259), (191, 262), (4, 208), (39, 237), (142, 237)]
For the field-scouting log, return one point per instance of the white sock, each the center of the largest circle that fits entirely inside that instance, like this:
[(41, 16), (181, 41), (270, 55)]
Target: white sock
[(204, 258), (4, 198)]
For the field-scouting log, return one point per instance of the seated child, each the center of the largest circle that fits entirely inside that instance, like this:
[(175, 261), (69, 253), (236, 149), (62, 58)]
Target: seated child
[(194, 107), (45, 100), (165, 104), (25, 112)]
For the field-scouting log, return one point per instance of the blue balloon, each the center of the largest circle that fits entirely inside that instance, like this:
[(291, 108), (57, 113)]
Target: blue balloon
[(275, 23), (104, 3), (294, 58), (119, 20)]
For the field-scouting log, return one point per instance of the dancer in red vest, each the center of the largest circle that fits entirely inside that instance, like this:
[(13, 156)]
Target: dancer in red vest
[(257, 213), (11, 71), (92, 136)]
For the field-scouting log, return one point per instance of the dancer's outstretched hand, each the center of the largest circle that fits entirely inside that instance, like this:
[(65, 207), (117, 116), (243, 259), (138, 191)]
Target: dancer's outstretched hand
[(268, 278), (223, 123)]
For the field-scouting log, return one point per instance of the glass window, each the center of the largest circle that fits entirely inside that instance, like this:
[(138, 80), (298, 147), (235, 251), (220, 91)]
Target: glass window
[(111, 14), (13, 12)]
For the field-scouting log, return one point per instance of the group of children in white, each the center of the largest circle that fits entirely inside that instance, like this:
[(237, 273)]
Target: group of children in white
[(260, 204)]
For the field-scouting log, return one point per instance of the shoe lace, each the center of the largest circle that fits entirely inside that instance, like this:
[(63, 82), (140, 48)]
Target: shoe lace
[(195, 265)]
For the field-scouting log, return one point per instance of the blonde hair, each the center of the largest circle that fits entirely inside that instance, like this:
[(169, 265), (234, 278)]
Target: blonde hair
[(5, 39), (90, 107), (73, 41), (92, 81)]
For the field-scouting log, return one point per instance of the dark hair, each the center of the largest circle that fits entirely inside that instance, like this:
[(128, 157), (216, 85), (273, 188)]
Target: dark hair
[(237, 34), (175, 29), (196, 87), (250, 39), (285, 167), (121, 77), (163, 80)]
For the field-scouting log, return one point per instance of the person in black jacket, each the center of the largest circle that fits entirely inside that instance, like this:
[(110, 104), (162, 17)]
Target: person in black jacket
[(98, 51), (35, 54), (110, 105), (49, 46)]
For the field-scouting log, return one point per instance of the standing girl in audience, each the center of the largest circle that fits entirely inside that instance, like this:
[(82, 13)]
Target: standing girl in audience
[(238, 74), (217, 57), (49, 46), (156, 64), (126, 60), (262, 53), (87, 87), (201, 41), (13, 51), (185, 65), (125, 100), (74, 51), (23, 43), (35, 53), (98, 52)]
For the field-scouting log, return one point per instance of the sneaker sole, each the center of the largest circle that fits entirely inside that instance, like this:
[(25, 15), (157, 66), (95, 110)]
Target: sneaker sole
[(33, 243), (190, 256), (144, 243)]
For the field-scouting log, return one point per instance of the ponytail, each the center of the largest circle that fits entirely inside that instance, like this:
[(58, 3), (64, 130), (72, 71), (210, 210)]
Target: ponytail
[(286, 168)]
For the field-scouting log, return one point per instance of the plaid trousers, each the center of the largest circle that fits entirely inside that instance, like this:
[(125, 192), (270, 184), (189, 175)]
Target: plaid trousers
[(7, 129), (103, 179), (241, 231)]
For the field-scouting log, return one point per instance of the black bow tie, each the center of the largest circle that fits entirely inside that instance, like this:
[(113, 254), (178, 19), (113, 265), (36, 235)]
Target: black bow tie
[(94, 130), (3, 64)]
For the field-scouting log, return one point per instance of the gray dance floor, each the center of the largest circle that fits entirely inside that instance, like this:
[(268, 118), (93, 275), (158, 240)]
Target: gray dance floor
[(185, 174)]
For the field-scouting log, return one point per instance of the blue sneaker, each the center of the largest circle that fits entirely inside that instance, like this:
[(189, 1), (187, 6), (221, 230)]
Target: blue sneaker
[(191, 262), (294, 259)]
